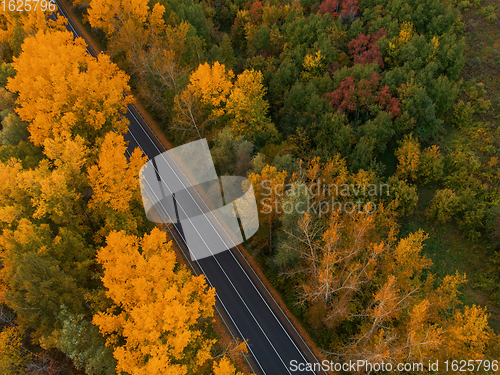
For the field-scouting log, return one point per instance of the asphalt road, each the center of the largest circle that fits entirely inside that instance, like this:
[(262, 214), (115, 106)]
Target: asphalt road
[(245, 304)]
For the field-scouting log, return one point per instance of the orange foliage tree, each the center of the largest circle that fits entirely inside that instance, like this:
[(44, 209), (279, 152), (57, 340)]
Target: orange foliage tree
[(18, 25), (211, 94), (155, 323), (129, 25), (203, 100), (114, 181), (62, 88), (154, 51)]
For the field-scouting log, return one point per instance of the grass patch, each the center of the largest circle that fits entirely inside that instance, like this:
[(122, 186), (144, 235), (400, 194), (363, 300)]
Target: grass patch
[(451, 252)]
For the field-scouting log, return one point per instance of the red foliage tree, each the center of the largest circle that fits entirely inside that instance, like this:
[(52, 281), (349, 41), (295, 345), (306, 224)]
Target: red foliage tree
[(390, 104), (344, 97), (349, 9), (364, 49), (331, 7), (352, 95), (256, 11)]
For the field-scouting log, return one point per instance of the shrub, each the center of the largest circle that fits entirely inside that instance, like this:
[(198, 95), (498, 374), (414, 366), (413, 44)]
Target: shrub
[(408, 155), (431, 165), (444, 205), (404, 195)]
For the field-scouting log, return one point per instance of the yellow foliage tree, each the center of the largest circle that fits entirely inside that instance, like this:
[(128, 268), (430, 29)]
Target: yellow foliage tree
[(268, 187), (408, 155), (406, 33), (313, 66), (12, 359), (15, 26), (203, 100), (225, 367), (51, 195), (406, 318), (431, 165), (114, 179), (62, 88), (55, 187), (213, 85), (69, 155), (248, 108), (408, 264), (129, 25), (469, 334), (418, 166), (110, 16), (444, 206), (115, 184), (191, 118), (338, 260), (404, 194), (12, 197), (157, 307), (153, 49), (348, 257)]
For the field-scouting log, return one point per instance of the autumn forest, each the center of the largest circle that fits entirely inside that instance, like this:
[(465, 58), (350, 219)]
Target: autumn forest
[(315, 102)]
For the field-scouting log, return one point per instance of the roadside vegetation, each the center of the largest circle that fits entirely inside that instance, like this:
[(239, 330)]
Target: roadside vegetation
[(88, 284), (342, 106)]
